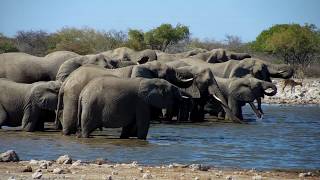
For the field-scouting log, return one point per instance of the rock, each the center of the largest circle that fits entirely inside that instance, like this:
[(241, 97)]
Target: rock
[(147, 176), (134, 164), (114, 173), (33, 162), (100, 161), (199, 167), (12, 178), (196, 178), (75, 164), (108, 177), (257, 177), (38, 170), (170, 166), (219, 174), (37, 175), (57, 171), (43, 165), (179, 165), (301, 175), (65, 159), (27, 168), (229, 178), (140, 169), (9, 156)]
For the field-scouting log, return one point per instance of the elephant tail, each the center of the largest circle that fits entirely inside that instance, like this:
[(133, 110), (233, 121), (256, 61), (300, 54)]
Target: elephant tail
[(59, 106)]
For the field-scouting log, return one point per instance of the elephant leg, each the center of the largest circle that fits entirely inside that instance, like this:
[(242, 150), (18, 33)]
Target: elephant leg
[(143, 120), (69, 122), (235, 108), (259, 105), (129, 131), (3, 116), (57, 122)]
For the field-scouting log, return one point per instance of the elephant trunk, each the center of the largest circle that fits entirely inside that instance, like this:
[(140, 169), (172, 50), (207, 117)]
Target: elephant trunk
[(266, 86), (183, 79), (280, 70)]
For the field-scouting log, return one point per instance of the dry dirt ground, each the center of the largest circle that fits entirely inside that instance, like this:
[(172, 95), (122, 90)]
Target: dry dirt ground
[(14, 170)]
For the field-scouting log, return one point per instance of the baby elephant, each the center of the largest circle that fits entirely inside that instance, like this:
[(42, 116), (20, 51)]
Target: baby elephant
[(28, 105), (113, 102)]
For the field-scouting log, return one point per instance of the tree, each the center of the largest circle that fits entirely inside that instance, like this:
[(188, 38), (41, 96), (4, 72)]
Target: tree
[(32, 42), (7, 44), (295, 44), (136, 39)]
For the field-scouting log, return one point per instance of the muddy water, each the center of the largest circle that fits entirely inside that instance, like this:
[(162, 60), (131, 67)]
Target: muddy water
[(287, 138)]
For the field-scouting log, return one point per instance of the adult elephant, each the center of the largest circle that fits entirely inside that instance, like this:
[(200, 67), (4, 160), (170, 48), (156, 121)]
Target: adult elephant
[(127, 54), (74, 63), (113, 103), (166, 57), (204, 86), (250, 67), (25, 68), (239, 91), (27, 104), (71, 88)]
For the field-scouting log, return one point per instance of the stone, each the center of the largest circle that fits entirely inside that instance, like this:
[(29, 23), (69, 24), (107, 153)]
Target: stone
[(147, 176), (114, 173), (11, 178), (257, 177), (65, 159), (75, 164), (134, 164), (100, 161), (9, 156), (57, 171), (108, 177), (229, 178), (38, 170), (301, 175), (43, 165), (140, 169), (27, 168), (196, 178), (33, 162), (36, 175)]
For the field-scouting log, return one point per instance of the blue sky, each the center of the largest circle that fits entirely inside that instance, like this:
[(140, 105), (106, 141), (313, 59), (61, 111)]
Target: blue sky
[(206, 18)]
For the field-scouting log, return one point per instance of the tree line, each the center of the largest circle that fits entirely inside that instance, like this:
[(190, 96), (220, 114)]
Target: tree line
[(289, 43)]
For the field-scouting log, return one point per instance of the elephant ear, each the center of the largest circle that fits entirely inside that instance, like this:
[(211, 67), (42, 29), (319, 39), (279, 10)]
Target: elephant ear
[(242, 69), (142, 71), (68, 67), (242, 91)]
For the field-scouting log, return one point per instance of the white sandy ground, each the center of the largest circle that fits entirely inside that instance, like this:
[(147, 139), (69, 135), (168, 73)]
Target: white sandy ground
[(309, 93), (133, 171)]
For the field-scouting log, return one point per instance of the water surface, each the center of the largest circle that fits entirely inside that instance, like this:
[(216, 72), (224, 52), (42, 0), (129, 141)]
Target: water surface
[(288, 137)]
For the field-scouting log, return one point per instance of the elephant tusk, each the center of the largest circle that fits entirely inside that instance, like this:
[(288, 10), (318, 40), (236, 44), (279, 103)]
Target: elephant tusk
[(187, 80), (185, 97), (226, 108), (256, 111), (281, 71)]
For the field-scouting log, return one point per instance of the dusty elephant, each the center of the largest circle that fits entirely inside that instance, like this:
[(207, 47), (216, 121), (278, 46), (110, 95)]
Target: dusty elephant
[(25, 68), (27, 104), (113, 102), (71, 88), (127, 54)]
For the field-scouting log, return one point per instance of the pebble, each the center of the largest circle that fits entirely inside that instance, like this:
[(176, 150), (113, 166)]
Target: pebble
[(65, 159), (9, 156), (147, 176), (108, 177), (229, 178), (134, 164), (33, 162), (12, 178), (219, 174), (196, 178), (57, 171), (37, 175), (38, 170), (114, 173), (27, 168), (75, 164), (140, 169), (257, 177), (43, 165), (305, 174), (100, 161)]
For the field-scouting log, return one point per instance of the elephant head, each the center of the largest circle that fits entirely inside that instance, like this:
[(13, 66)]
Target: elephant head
[(146, 55), (158, 70), (42, 96), (261, 70), (246, 90), (159, 93), (99, 60)]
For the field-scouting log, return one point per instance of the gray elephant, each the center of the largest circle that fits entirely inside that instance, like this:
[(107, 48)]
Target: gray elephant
[(250, 67), (113, 102), (71, 88), (239, 91), (25, 68), (127, 54), (74, 63), (27, 104), (166, 57)]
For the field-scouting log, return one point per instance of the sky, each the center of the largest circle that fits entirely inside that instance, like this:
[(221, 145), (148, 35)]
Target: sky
[(206, 19)]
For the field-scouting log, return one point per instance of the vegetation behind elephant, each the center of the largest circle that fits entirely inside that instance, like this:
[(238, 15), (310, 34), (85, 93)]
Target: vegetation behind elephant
[(239, 91), (71, 88), (112, 103), (25, 68), (24, 104), (127, 54)]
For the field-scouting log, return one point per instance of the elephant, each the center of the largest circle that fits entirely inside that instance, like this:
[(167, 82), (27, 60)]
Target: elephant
[(72, 64), (250, 67), (239, 91), (165, 57), (27, 104), (127, 54), (204, 86), (116, 102), (25, 68), (71, 88)]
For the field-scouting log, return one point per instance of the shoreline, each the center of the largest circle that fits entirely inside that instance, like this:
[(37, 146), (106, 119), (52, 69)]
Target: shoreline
[(100, 169)]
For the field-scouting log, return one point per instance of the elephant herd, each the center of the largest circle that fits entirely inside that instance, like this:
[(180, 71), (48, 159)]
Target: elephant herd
[(126, 88)]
